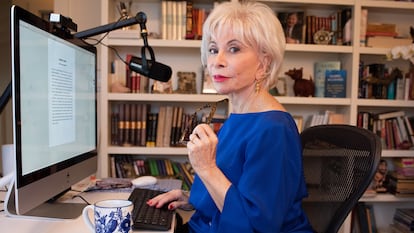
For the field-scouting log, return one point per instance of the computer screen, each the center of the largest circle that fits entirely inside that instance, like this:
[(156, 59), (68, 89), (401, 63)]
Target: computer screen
[(54, 113)]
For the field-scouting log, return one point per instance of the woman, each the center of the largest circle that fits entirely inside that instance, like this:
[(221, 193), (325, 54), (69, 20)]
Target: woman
[(248, 177)]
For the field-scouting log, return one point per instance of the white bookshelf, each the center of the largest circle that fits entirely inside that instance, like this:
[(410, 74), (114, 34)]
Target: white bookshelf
[(185, 55)]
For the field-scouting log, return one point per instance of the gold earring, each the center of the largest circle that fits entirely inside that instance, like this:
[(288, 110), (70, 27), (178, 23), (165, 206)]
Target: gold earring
[(257, 86)]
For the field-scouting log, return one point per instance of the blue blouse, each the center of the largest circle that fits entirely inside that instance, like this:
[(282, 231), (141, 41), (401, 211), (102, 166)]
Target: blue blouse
[(260, 153)]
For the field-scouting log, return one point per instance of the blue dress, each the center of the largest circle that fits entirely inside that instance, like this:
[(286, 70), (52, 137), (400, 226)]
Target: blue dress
[(260, 153)]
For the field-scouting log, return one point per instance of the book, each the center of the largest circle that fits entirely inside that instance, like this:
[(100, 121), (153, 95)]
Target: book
[(320, 69), (347, 26), (381, 28), (363, 28), (161, 119), (388, 115), (404, 219), (403, 162), (409, 129), (133, 124), (387, 41), (399, 182), (335, 83), (166, 135)]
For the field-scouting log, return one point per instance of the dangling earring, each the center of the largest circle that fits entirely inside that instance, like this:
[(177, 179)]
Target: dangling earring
[(257, 87)]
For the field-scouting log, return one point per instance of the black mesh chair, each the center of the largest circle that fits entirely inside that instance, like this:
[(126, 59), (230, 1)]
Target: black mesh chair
[(339, 164)]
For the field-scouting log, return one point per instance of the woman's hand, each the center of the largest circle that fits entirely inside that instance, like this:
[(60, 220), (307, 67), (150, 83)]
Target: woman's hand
[(175, 198), (202, 149), (202, 155)]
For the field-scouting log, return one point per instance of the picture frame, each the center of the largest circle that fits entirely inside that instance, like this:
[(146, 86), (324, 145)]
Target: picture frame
[(186, 82), (281, 87), (293, 29), (207, 84), (299, 122)]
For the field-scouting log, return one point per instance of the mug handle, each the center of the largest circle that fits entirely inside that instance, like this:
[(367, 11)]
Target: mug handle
[(87, 220)]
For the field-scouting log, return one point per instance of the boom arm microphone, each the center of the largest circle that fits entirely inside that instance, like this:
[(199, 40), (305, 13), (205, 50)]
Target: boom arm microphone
[(149, 68), (154, 70)]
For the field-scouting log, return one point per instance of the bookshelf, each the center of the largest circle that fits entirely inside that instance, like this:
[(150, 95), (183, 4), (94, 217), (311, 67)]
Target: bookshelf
[(183, 55)]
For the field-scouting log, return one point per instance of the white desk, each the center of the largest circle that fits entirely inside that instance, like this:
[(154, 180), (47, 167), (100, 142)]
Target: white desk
[(24, 224)]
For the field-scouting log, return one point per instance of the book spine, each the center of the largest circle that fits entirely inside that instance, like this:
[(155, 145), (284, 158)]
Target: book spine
[(363, 28), (121, 123), (144, 113)]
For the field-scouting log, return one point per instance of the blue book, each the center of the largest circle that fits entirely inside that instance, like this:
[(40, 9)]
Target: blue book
[(335, 83), (320, 69)]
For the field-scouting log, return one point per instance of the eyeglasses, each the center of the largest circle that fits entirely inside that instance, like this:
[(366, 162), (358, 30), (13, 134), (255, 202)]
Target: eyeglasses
[(194, 120)]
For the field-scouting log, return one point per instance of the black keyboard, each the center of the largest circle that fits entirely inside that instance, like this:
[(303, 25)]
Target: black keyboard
[(145, 217)]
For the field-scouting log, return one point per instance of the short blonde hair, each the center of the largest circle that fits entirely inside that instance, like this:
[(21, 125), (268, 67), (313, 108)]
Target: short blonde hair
[(258, 27)]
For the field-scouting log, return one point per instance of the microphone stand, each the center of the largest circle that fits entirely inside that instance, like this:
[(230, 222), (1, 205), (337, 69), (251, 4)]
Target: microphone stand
[(141, 19), (7, 93)]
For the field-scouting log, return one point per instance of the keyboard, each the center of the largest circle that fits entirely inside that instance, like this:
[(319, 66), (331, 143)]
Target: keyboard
[(145, 217)]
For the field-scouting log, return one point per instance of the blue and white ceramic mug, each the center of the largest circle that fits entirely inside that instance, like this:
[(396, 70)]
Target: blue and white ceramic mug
[(110, 216)]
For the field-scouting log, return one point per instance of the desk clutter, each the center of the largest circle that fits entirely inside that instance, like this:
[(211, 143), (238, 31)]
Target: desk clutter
[(126, 185)]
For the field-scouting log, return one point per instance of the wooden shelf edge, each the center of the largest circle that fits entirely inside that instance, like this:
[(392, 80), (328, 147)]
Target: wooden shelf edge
[(386, 197), (179, 151)]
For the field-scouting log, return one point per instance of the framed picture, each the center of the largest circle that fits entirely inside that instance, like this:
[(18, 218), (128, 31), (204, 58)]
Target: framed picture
[(293, 26), (207, 87), (299, 122), (186, 83), (281, 87)]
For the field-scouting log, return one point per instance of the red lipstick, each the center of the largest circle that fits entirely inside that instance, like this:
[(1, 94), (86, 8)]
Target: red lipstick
[(219, 78)]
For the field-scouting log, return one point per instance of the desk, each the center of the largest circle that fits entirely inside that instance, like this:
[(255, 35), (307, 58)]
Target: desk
[(23, 224)]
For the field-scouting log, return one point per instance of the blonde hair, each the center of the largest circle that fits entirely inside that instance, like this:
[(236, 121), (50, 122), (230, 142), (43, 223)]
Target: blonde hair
[(257, 26)]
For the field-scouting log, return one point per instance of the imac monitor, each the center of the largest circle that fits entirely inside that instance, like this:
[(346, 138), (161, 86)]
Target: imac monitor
[(54, 115)]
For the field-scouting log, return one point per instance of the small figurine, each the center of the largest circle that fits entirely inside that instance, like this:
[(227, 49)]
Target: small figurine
[(380, 179), (301, 87)]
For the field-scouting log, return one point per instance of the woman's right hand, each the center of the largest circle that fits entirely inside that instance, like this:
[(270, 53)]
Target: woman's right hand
[(176, 198)]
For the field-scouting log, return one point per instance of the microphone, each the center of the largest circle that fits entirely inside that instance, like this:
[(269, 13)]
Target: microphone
[(149, 68), (153, 70)]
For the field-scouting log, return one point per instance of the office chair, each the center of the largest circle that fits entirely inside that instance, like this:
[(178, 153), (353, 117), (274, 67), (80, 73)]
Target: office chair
[(339, 164)]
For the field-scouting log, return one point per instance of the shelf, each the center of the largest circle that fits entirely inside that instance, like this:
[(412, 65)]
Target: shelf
[(386, 197), (131, 38), (148, 150), (165, 97), (387, 4), (374, 51), (318, 48), (313, 2), (313, 101), (397, 153), (385, 103)]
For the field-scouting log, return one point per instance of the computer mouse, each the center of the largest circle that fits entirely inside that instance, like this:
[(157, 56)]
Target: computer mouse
[(144, 181)]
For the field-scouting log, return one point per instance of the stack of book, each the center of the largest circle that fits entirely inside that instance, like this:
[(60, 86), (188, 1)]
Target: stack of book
[(401, 185), (394, 128), (383, 35), (128, 166), (403, 221), (329, 117), (404, 166)]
